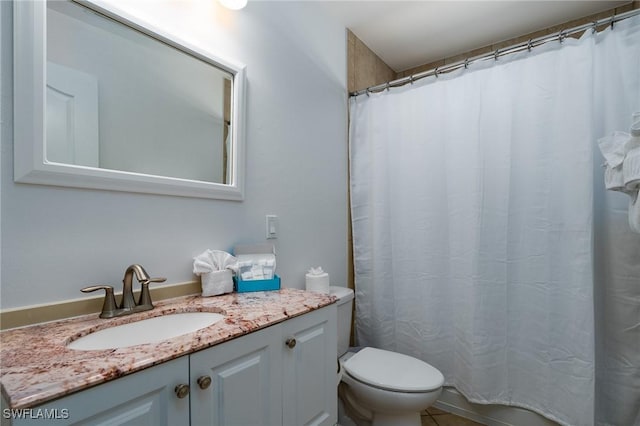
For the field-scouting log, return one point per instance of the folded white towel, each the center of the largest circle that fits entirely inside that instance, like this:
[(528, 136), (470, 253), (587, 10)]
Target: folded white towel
[(631, 170), (614, 148), (634, 130), (614, 179)]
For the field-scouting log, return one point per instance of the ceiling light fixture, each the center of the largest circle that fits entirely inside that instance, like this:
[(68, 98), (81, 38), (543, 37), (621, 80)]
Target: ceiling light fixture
[(233, 4)]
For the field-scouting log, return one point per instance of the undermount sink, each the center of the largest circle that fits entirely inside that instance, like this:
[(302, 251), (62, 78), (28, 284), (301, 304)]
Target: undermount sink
[(149, 330)]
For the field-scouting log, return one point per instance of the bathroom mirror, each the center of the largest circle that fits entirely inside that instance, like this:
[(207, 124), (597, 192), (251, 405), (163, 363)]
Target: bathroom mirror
[(103, 100)]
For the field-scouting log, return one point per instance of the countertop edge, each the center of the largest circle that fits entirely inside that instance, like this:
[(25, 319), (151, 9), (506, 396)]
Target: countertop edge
[(125, 361)]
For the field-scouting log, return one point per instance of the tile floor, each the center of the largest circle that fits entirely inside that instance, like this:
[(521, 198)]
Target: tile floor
[(435, 417)]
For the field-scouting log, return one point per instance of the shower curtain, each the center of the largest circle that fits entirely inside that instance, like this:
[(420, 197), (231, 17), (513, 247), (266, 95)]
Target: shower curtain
[(484, 241)]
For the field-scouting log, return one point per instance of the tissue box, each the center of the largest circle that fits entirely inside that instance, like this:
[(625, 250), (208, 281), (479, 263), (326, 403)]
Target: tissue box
[(255, 253), (216, 282), (243, 286)]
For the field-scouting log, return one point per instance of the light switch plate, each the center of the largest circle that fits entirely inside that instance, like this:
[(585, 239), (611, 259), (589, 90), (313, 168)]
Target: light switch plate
[(272, 226)]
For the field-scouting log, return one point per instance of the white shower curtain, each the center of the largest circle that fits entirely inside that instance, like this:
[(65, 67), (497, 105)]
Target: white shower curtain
[(484, 241)]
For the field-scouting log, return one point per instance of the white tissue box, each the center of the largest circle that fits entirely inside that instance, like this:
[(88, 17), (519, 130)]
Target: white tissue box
[(217, 282), (317, 283)]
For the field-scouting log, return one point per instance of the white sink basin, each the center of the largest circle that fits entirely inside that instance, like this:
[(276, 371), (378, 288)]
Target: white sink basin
[(150, 330)]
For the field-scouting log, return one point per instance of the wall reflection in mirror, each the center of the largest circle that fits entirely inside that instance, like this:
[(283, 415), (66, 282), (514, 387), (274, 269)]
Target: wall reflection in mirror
[(119, 99)]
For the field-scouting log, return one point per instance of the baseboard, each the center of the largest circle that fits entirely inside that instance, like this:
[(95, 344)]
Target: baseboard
[(454, 402), (28, 315)]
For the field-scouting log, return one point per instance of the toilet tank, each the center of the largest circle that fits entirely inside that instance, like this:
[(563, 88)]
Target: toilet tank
[(345, 303)]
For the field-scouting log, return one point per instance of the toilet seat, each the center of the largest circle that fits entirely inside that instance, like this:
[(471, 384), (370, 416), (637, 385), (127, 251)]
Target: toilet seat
[(393, 371)]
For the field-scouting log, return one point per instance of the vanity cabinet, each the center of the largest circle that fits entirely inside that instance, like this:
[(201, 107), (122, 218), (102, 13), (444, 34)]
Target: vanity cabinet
[(145, 398), (284, 374)]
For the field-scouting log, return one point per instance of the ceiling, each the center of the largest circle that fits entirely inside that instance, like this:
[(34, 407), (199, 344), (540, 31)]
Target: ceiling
[(406, 34)]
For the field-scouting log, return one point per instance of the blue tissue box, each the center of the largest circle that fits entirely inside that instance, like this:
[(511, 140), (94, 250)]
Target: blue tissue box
[(257, 285)]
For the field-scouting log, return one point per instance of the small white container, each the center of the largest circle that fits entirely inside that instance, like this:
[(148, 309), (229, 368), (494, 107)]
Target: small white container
[(318, 282)]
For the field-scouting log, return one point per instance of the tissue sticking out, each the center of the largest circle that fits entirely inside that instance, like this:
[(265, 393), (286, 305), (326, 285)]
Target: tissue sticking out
[(215, 270)]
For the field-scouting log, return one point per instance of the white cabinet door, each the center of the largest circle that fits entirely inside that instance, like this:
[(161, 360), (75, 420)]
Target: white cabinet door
[(145, 398), (246, 382), (310, 369)]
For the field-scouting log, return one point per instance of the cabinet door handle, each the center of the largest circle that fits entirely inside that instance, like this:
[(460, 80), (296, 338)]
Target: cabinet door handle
[(291, 343), (182, 390), (204, 382)]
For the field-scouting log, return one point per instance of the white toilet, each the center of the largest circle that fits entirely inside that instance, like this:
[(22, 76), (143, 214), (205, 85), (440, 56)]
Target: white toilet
[(379, 387)]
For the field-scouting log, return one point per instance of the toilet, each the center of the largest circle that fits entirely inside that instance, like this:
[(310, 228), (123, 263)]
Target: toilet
[(380, 387)]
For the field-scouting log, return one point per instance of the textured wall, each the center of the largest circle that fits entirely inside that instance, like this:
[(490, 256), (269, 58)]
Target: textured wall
[(365, 68)]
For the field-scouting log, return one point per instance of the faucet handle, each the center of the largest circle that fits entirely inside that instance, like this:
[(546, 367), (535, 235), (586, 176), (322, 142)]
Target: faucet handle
[(145, 296), (109, 304)]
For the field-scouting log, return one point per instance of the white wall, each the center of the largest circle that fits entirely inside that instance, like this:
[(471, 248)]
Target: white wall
[(56, 240)]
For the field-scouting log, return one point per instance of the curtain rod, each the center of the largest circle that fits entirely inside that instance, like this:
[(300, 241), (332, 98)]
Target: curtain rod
[(530, 44)]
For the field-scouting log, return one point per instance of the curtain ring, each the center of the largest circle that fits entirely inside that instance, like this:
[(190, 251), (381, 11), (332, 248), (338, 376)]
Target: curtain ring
[(368, 92), (436, 72), (496, 54), (411, 79), (386, 86), (529, 45), (466, 63), (561, 36), (613, 20), (594, 26)]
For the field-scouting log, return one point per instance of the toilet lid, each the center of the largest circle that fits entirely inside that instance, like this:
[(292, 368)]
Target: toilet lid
[(393, 371)]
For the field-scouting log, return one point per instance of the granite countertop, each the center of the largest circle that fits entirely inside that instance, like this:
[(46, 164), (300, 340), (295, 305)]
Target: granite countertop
[(36, 366)]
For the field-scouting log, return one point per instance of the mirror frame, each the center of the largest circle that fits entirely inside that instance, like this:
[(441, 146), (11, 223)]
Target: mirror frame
[(30, 165)]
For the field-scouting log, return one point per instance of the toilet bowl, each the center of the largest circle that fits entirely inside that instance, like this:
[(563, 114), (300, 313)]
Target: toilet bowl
[(380, 387)]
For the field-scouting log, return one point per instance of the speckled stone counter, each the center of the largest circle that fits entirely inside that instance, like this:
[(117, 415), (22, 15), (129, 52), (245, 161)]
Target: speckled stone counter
[(36, 366)]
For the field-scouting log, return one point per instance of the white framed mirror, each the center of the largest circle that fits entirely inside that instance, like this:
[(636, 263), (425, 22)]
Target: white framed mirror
[(103, 100)]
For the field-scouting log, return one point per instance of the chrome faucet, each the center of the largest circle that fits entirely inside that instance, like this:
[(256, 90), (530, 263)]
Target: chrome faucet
[(127, 285), (128, 304)]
